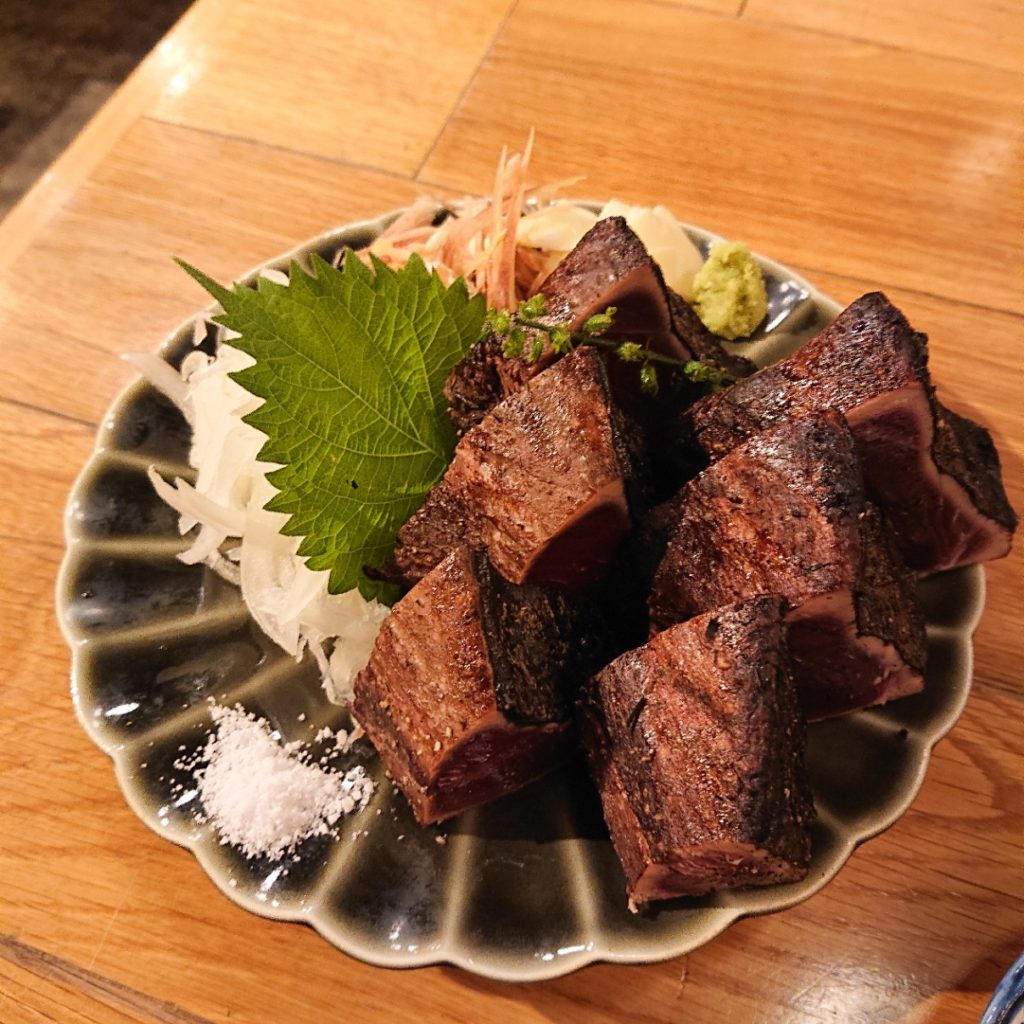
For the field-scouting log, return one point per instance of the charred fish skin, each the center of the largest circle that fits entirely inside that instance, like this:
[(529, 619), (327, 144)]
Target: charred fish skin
[(528, 636), (778, 514), (544, 482), (609, 266), (696, 743), (785, 513), (690, 329), (474, 386), (936, 475), (967, 460), (468, 692)]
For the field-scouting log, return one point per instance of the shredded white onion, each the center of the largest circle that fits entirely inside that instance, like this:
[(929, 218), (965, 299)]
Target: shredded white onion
[(198, 507), (163, 377), (289, 601)]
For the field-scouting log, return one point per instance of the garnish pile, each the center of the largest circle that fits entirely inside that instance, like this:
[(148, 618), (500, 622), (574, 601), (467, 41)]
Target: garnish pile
[(320, 425), (350, 364)]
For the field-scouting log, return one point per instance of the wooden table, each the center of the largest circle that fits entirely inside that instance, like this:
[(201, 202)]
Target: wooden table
[(866, 144)]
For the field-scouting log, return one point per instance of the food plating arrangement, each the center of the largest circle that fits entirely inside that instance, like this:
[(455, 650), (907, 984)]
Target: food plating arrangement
[(527, 485)]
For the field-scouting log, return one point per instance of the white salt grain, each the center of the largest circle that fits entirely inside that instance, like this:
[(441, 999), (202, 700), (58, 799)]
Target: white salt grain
[(265, 797)]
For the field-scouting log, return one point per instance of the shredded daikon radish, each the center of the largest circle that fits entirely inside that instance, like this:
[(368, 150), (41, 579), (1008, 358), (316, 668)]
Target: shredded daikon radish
[(198, 507), (289, 601), (163, 377)]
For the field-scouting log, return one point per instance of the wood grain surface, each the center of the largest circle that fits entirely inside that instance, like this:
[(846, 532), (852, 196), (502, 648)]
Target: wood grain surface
[(868, 145), (987, 32)]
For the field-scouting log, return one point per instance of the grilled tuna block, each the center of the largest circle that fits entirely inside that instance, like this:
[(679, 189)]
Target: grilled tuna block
[(935, 474), (540, 482), (609, 267), (467, 694), (696, 742), (784, 513)]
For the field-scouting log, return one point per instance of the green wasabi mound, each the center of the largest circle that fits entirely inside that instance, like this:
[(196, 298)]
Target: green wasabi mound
[(729, 294)]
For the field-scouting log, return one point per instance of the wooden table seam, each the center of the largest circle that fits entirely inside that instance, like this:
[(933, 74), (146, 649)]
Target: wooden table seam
[(272, 147), (50, 194), (1017, 314), (789, 26), (682, 9), (32, 407), (441, 186), (464, 91), (98, 986), (688, 8)]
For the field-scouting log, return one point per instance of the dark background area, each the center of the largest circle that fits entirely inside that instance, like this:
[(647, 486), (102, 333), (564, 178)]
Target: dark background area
[(59, 61)]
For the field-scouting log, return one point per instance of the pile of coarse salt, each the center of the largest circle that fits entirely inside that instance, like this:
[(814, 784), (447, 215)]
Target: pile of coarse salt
[(265, 797)]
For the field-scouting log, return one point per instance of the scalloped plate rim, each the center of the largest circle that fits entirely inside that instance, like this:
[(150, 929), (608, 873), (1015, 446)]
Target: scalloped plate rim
[(496, 967)]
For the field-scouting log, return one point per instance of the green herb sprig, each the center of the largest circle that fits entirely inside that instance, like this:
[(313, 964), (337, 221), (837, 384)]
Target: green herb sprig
[(513, 329)]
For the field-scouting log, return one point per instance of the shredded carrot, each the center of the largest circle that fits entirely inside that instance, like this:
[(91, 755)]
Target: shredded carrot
[(477, 241)]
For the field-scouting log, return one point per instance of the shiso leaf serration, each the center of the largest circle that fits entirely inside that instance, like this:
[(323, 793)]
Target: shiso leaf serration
[(350, 364)]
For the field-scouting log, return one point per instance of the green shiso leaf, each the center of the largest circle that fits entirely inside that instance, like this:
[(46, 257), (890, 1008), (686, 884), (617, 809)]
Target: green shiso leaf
[(350, 364)]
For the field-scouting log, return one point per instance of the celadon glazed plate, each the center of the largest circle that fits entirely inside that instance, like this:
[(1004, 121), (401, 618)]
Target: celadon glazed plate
[(524, 889)]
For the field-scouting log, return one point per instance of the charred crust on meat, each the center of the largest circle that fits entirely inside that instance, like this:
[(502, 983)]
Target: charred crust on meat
[(964, 450), (527, 632), (935, 474), (886, 593), (803, 530), (469, 688), (608, 267), (697, 748), (544, 481)]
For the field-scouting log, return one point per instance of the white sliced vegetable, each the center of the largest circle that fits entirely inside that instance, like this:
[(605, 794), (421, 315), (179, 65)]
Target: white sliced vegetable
[(669, 245), (163, 377), (288, 600), (556, 227)]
